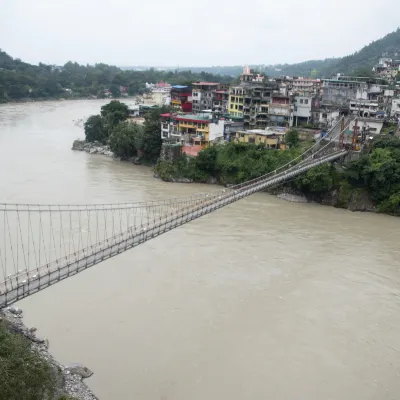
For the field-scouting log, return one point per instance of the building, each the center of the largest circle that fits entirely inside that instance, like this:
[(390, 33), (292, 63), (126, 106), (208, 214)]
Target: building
[(280, 110), (340, 91), (162, 87), (203, 95), (231, 127), (365, 108), (387, 68), (221, 100), (273, 138), (181, 98), (301, 113), (372, 126), (199, 129), (250, 99), (395, 108), (306, 86)]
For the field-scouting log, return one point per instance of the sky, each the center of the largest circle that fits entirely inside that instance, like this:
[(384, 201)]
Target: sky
[(191, 32)]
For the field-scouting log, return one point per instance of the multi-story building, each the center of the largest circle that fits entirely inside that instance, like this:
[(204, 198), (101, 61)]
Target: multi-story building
[(273, 138), (306, 86), (395, 108), (203, 95), (365, 108), (340, 91), (221, 100), (387, 68), (199, 129), (181, 98), (280, 109), (301, 113), (250, 99)]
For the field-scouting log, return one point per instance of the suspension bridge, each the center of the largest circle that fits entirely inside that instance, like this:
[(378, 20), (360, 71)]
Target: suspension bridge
[(41, 245)]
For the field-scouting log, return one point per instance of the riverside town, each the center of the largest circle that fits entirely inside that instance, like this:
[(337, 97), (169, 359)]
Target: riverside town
[(204, 204)]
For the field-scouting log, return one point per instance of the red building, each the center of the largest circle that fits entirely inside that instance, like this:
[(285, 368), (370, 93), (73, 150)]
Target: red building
[(181, 98)]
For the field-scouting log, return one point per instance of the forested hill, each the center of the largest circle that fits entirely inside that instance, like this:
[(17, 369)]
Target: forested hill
[(23, 81), (365, 59)]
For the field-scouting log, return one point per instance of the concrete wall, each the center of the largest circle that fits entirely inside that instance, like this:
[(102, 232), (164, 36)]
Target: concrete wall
[(395, 112), (216, 130), (192, 150)]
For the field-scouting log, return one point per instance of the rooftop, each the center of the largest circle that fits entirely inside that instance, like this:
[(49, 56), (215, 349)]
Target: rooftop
[(194, 117), (205, 83), (264, 132)]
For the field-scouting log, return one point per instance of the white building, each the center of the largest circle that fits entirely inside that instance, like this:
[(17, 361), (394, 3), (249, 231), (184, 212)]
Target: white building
[(395, 111), (364, 108), (301, 110), (372, 125)]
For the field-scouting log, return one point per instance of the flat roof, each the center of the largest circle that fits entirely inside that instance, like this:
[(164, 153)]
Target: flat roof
[(178, 87), (342, 81), (263, 132), (205, 83)]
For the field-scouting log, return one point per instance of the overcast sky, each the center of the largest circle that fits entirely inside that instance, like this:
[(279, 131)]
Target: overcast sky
[(191, 32)]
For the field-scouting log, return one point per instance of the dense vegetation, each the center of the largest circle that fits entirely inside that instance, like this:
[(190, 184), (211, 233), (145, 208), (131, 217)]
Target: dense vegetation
[(126, 139), (229, 163), (23, 81), (375, 175), (24, 374)]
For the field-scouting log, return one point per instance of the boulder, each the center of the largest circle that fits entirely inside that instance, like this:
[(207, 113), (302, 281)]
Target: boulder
[(14, 310), (78, 369), (78, 145)]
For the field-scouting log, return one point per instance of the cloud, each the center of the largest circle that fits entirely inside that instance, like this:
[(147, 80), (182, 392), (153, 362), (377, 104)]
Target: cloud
[(187, 33)]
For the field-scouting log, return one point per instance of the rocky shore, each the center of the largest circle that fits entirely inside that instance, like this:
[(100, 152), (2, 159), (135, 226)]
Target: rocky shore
[(92, 147), (70, 377)]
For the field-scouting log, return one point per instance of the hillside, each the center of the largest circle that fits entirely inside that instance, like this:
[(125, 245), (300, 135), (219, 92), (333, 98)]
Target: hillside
[(24, 81), (366, 58)]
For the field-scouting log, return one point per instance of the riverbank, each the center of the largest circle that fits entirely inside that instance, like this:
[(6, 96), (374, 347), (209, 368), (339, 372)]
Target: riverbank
[(48, 99), (69, 381), (361, 185)]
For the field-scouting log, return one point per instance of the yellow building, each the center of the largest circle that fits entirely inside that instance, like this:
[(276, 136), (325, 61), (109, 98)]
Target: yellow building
[(274, 139), (235, 102), (197, 129)]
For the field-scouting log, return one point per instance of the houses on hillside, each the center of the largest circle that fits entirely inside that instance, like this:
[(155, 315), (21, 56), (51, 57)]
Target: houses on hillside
[(260, 110)]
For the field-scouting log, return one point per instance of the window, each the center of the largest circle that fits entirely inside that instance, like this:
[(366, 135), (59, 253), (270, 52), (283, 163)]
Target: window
[(301, 101), (306, 101)]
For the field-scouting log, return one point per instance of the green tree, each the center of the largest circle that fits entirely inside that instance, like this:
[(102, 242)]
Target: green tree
[(94, 129), (113, 113), (126, 139), (316, 180), (292, 138), (24, 374), (152, 133)]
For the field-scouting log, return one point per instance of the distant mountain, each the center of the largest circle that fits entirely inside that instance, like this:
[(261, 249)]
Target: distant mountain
[(365, 59)]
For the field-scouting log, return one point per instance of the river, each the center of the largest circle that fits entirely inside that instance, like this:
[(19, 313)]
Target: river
[(263, 299)]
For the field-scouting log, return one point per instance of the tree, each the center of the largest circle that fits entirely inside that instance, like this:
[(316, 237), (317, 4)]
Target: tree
[(113, 113), (316, 180), (94, 129), (126, 139), (152, 133), (292, 138), (24, 374)]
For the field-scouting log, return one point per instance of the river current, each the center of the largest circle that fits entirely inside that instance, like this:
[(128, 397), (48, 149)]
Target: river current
[(263, 299)]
